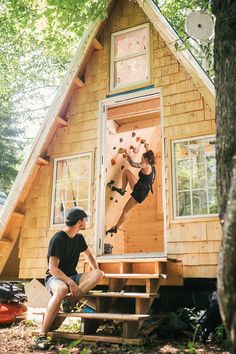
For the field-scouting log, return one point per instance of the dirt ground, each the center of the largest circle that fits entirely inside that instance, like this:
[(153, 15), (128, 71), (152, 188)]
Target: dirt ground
[(17, 339)]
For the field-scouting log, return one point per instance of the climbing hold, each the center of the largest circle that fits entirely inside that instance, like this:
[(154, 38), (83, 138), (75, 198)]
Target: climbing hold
[(122, 167), (136, 150), (121, 150), (111, 198), (116, 201), (131, 147), (133, 134), (113, 162), (138, 138), (114, 148), (124, 155), (121, 140), (109, 184), (142, 141)]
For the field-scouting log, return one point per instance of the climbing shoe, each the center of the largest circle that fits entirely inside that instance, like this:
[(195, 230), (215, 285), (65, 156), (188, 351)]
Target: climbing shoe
[(42, 342), (119, 190), (112, 231)]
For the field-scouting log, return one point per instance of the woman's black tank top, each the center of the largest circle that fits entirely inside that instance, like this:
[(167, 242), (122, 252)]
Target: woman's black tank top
[(146, 179)]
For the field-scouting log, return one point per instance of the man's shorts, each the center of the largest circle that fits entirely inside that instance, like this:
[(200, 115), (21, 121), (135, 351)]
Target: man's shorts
[(51, 281)]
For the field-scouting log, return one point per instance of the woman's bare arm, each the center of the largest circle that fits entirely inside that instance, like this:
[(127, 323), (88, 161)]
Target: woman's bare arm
[(136, 164)]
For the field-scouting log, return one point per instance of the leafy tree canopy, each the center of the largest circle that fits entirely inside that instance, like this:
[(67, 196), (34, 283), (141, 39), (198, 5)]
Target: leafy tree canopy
[(176, 11), (36, 43)]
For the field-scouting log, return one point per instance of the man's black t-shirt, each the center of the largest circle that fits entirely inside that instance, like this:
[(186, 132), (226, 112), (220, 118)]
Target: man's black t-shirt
[(68, 250)]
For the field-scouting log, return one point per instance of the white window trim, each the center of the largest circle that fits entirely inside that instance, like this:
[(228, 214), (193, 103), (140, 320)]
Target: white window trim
[(112, 72), (90, 155), (176, 217)]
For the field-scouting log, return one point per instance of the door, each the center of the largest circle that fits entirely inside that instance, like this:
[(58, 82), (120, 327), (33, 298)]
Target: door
[(125, 125)]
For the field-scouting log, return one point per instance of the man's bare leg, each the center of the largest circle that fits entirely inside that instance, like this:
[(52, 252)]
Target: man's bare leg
[(89, 280), (59, 290)]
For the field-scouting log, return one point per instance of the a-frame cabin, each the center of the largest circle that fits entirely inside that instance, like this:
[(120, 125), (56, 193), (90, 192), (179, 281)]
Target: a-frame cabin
[(127, 81)]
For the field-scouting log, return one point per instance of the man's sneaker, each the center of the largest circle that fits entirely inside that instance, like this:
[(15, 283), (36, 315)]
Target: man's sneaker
[(42, 342)]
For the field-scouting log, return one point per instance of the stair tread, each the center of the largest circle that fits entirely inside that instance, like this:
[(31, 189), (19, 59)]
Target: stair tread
[(135, 275), (94, 338), (121, 294), (104, 259), (102, 316)]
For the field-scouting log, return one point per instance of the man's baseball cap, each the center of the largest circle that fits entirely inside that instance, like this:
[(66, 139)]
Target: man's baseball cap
[(75, 214)]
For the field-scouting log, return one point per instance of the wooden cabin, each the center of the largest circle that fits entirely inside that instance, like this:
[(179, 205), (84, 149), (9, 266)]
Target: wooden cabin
[(127, 82)]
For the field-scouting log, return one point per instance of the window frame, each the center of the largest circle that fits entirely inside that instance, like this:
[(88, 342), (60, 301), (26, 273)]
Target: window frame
[(90, 155), (174, 186), (112, 59)]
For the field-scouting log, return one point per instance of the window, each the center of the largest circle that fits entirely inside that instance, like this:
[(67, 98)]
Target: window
[(71, 185), (194, 167), (130, 52)]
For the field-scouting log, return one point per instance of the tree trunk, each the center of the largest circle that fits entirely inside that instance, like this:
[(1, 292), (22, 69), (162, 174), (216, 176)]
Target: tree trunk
[(225, 81)]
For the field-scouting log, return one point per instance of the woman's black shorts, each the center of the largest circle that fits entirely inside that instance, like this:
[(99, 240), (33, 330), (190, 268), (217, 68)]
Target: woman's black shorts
[(140, 191)]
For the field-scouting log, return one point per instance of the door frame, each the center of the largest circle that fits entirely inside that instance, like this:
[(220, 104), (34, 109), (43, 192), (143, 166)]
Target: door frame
[(101, 172)]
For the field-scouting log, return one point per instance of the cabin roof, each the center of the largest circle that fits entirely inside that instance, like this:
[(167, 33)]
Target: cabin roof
[(57, 110)]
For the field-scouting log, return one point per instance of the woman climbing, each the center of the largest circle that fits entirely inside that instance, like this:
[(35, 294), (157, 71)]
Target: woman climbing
[(140, 188)]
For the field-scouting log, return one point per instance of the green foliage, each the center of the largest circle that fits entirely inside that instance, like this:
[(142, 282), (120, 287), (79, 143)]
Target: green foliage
[(191, 347), (37, 41), (10, 146), (73, 327), (110, 328), (220, 337), (30, 323), (176, 13), (73, 345)]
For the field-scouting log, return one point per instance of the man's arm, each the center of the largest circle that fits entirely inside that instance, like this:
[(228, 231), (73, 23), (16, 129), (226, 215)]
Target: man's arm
[(56, 272), (90, 257)]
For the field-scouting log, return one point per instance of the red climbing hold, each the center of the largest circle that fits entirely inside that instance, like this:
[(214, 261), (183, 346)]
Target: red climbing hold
[(113, 162), (138, 138)]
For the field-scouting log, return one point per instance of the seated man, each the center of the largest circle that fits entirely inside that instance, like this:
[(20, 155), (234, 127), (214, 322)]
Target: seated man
[(61, 275)]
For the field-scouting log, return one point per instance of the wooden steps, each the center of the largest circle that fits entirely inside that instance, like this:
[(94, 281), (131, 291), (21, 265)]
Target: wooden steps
[(121, 295), (135, 276), (130, 285), (91, 321), (102, 316), (94, 338)]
